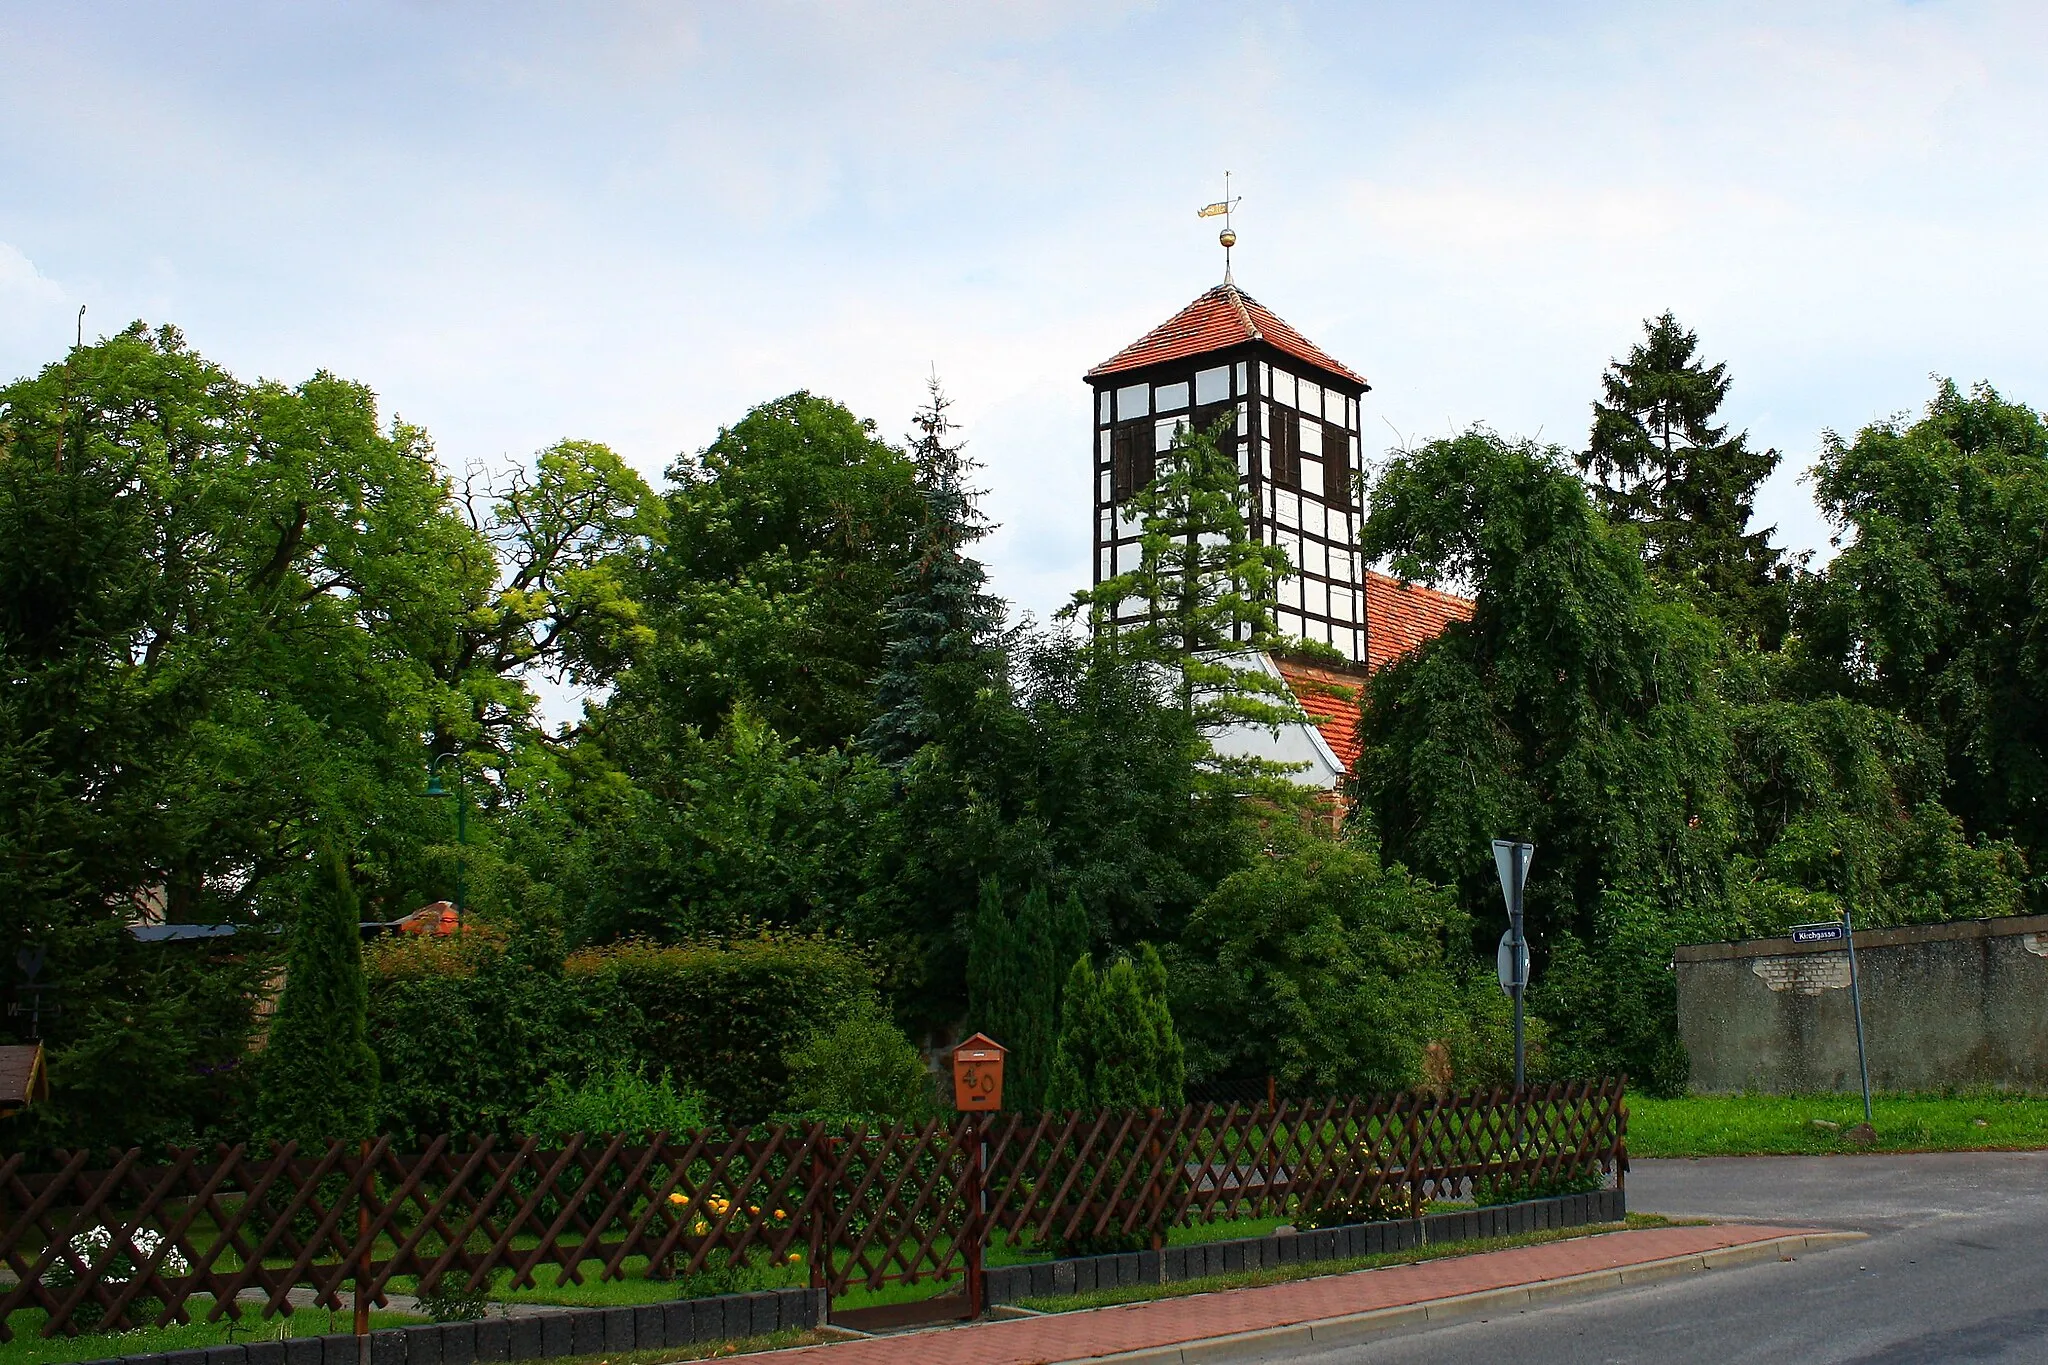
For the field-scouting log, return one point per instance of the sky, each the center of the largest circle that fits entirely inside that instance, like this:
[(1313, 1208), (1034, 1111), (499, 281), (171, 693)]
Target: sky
[(630, 222)]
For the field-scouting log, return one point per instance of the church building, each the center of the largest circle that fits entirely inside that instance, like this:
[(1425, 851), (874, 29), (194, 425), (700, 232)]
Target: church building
[(1297, 439)]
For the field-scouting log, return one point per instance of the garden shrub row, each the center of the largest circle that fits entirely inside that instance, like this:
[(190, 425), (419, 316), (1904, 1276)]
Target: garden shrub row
[(467, 1032)]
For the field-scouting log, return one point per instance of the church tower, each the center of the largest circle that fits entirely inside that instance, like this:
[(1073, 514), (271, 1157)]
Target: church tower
[(1296, 442)]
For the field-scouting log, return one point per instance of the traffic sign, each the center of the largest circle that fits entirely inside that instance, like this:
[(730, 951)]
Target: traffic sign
[(1506, 855), (1504, 963), (1830, 932)]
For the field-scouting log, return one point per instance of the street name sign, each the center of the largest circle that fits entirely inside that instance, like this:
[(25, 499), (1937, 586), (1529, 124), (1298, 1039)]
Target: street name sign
[(1831, 932)]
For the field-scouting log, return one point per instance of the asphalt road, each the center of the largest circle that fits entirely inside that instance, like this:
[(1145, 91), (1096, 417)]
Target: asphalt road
[(1956, 1269)]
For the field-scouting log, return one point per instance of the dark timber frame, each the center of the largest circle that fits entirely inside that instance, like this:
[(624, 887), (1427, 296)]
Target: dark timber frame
[(1325, 598)]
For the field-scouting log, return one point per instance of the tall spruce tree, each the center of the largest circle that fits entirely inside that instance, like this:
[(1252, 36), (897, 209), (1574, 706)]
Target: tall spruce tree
[(1205, 584), (941, 623), (318, 1076), (1664, 464)]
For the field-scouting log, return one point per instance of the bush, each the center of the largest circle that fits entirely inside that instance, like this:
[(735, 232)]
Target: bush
[(467, 1031), (1512, 1189), (722, 1016), (617, 1099), (860, 1070), (87, 1248), (447, 1300), (1319, 966)]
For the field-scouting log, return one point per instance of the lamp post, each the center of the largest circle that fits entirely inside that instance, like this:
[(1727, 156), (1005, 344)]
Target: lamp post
[(461, 795)]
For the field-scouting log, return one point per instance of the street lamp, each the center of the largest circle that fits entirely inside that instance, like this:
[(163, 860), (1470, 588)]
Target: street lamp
[(461, 795)]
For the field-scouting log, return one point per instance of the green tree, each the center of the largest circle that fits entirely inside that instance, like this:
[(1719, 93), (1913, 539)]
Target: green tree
[(1013, 984), (861, 1070), (785, 539), (681, 835), (1321, 968), (318, 1077), (1163, 1046), (1664, 465), (1577, 707), (1933, 610), (1204, 585), (941, 666)]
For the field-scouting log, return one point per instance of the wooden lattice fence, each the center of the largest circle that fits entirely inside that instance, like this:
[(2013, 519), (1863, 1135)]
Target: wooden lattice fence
[(222, 1233)]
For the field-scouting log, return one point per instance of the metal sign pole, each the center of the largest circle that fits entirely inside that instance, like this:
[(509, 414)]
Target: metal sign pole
[(1856, 998), (1521, 950), (1511, 859)]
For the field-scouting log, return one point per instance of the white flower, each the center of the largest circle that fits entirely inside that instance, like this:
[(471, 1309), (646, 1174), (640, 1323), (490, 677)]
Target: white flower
[(89, 1246)]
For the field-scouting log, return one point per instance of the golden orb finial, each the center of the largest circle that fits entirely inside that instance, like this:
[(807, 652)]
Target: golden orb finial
[(1228, 238)]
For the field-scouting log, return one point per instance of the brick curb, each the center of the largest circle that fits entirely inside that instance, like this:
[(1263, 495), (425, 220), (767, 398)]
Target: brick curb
[(1354, 1327)]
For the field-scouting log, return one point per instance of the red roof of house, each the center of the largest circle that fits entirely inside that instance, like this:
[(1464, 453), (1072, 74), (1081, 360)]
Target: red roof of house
[(1399, 617), (1330, 696), (439, 920), (1224, 316)]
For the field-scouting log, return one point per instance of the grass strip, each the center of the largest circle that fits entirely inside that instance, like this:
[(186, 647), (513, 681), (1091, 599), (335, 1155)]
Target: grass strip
[(1818, 1125), (1252, 1279)]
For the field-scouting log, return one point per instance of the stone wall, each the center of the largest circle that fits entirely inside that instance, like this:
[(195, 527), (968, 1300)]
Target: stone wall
[(1962, 1004)]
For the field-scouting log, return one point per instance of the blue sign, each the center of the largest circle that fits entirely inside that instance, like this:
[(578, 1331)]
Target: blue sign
[(1831, 932)]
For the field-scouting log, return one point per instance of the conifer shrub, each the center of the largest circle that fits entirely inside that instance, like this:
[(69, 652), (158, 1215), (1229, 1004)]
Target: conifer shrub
[(318, 1077)]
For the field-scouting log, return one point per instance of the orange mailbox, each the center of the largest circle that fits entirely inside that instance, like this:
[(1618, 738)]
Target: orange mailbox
[(978, 1073)]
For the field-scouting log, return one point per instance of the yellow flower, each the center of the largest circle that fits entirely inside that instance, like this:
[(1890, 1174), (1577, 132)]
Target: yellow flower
[(754, 1208), (700, 1227), (794, 1257), (780, 1214), (679, 1198)]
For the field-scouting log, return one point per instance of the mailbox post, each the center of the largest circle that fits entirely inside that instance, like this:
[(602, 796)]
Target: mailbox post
[(977, 1089)]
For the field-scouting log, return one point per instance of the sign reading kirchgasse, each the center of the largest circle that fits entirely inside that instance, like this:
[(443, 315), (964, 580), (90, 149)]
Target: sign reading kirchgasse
[(1831, 932)]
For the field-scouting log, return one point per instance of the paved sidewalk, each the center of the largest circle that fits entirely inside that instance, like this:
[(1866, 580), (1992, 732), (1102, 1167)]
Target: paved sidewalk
[(1167, 1323)]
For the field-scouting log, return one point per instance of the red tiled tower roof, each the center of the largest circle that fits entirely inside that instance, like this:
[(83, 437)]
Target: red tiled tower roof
[(1223, 316), (1399, 617)]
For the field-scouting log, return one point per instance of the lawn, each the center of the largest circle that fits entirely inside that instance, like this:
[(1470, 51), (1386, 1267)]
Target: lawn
[(1757, 1125), (634, 1289), (29, 1348)]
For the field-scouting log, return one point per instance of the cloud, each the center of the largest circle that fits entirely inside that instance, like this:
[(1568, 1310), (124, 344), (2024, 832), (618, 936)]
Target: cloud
[(32, 306)]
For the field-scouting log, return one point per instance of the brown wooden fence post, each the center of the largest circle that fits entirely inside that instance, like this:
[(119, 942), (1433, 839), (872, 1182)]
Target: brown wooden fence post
[(363, 1252), (1414, 1162)]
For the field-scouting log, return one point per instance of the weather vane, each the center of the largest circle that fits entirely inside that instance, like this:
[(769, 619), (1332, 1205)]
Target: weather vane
[(1221, 208)]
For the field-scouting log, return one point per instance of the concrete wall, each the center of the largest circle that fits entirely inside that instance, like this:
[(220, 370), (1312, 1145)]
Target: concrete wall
[(1962, 1004)]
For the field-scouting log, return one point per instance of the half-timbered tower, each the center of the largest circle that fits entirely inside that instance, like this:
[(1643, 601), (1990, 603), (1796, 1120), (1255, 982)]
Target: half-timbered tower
[(1296, 437)]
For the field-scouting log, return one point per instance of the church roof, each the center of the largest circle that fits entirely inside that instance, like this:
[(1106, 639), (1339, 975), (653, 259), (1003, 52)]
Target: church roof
[(1403, 616), (1399, 617), (1223, 316)]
